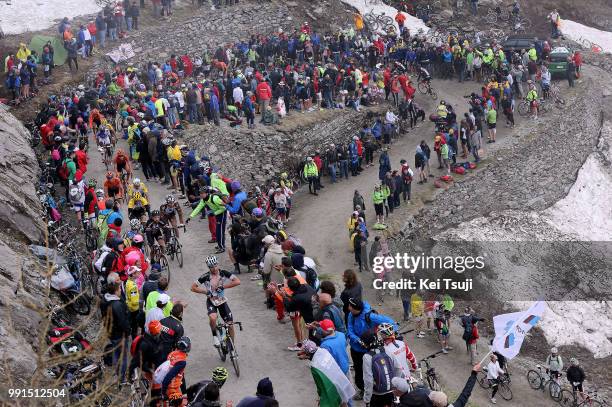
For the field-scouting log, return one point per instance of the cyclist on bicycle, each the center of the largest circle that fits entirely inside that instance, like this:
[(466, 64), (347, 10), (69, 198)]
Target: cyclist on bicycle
[(138, 186), (554, 364), (213, 284), (575, 375), (138, 206), (157, 230), (195, 392), (169, 212), (122, 163), (397, 350), (423, 75), (105, 136), (112, 186), (494, 371)]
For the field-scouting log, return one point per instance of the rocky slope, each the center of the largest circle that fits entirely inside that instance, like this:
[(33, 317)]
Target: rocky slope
[(20, 224)]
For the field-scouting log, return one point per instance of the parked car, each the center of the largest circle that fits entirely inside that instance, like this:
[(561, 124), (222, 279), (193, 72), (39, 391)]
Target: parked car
[(558, 61), (516, 43)]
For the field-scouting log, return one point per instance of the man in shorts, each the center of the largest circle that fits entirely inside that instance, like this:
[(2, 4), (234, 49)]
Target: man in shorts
[(213, 284)]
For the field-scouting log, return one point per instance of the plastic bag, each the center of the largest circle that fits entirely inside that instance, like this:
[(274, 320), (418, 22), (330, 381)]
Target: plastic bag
[(62, 279)]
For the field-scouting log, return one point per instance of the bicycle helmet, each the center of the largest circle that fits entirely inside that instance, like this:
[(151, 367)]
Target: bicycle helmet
[(385, 330), (257, 212), (574, 362), (136, 181), (219, 375), (235, 186), (184, 344), (283, 175), (211, 261), (155, 213), (134, 224), (92, 182), (204, 165), (170, 198), (554, 351), (109, 175), (138, 238), (167, 141)]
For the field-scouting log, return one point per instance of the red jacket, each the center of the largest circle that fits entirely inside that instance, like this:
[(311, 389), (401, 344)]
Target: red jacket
[(81, 160), (188, 65), (45, 135), (264, 91), (318, 162), (359, 148), (408, 91), (387, 77)]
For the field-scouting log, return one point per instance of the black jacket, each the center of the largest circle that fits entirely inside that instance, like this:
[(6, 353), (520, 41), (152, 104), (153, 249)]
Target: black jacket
[(148, 355), (420, 398), (116, 317), (301, 301), (172, 331), (575, 374)]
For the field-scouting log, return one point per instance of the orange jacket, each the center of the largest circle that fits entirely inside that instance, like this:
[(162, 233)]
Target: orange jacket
[(174, 388)]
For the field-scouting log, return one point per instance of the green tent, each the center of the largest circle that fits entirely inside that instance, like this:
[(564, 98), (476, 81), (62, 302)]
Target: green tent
[(59, 52)]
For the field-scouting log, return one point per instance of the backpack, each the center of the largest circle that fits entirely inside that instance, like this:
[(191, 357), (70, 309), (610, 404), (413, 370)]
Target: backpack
[(161, 372), (311, 276), (75, 194), (134, 346), (382, 371), (62, 171), (468, 328), (55, 154)]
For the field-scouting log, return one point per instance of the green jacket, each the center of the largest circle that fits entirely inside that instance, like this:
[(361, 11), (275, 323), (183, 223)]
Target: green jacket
[(444, 151), (214, 203), (151, 302), (217, 182), (378, 197), (492, 116), (70, 164), (385, 191), (533, 55), (311, 170)]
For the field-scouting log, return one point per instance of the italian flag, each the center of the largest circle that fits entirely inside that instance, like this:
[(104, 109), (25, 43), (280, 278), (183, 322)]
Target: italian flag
[(333, 386)]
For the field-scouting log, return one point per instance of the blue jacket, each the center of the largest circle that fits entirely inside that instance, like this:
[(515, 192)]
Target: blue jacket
[(357, 325), (336, 345), (214, 102), (235, 206), (377, 130)]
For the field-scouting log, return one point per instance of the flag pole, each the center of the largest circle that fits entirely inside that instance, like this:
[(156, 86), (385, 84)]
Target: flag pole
[(486, 356)]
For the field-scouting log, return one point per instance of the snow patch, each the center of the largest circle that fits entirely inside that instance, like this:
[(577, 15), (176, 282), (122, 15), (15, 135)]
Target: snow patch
[(22, 16), (414, 24), (579, 32)]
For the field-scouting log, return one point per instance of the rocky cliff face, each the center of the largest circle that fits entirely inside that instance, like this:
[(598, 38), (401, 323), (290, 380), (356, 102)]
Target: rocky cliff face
[(20, 224)]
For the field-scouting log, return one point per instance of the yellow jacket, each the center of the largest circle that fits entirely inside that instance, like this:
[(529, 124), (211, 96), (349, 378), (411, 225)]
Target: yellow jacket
[(174, 153), (132, 295)]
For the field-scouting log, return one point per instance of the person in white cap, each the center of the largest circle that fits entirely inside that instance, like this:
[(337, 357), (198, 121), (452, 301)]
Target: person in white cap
[(157, 313)]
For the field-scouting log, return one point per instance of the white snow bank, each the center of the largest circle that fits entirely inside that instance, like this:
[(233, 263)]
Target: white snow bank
[(21, 16), (590, 195), (579, 32), (413, 23)]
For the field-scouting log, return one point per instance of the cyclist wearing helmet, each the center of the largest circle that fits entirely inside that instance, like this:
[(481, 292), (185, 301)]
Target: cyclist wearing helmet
[(214, 284), (169, 212), (91, 199), (554, 363), (138, 206), (112, 186), (101, 204), (403, 358), (195, 393), (575, 375), (171, 385), (122, 163), (138, 186), (157, 230)]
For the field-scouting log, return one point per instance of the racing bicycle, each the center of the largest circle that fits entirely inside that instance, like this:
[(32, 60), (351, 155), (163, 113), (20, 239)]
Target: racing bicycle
[(589, 399), (431, 377), (424, 86), (174, 248), (157, 256), (226, 346)]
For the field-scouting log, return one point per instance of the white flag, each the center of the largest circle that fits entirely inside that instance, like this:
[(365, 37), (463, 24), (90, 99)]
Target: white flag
[(510, 329)]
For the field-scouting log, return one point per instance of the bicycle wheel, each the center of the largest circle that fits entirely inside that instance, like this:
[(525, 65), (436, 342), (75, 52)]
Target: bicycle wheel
[(482, 380), (567, 398), (591, 403), (233, 355), (423, 88), (433, 384), (170, 250), (523, 109), (433, 94), (221, 348), (165, 266), (534, 379), (179, 254), (554, 390), (387, 20), (88, 286), (505, 392)]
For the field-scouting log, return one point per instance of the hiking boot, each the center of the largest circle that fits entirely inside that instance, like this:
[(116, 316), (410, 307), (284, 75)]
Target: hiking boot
[(212, 241)]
